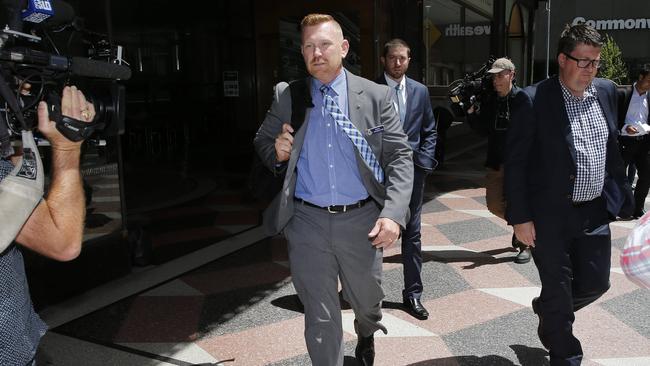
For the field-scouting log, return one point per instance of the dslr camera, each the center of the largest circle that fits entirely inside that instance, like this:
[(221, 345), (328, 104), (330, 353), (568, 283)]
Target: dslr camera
[(471, 89), (33, 68)]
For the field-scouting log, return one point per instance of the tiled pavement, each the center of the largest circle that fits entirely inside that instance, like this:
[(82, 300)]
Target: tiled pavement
[(103, 214), (242, 309)]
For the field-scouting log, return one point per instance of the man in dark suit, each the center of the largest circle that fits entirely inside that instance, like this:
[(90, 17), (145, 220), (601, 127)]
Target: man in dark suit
[(345, 194), (411, 100), (635, 138), (564, 182)]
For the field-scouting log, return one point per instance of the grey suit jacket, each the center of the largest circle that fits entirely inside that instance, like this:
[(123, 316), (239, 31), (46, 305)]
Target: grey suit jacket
[(370, 105)]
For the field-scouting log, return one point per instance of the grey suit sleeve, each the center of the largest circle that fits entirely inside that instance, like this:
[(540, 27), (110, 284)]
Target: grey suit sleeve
[(278, 114), (397, 164)]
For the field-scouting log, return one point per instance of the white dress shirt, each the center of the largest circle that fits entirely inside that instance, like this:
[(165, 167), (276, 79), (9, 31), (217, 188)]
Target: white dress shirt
[(637, 114)]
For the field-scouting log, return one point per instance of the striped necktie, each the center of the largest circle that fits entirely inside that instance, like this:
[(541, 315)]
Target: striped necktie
[(355, 136)]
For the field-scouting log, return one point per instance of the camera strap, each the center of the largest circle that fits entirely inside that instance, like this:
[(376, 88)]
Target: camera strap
[(20, 191), (73, 129)]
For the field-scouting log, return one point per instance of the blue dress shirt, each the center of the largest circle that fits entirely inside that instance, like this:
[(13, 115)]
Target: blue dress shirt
[(327, 171)]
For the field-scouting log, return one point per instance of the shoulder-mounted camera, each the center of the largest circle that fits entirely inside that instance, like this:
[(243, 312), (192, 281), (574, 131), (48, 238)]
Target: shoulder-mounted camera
[(33, 68), (471, 89)]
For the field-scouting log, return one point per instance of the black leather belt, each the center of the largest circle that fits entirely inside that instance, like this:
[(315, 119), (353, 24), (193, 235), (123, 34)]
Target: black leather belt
[(337, 208), (634, 138), (583, 203)]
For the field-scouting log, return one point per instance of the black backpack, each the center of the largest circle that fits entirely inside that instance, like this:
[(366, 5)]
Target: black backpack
[(263, 184)]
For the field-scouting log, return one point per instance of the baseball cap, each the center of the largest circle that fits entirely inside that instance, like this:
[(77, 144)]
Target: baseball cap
[(501, 64)]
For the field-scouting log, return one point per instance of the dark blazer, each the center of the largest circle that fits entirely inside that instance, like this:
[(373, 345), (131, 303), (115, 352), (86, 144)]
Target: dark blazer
[(483, 123), (540, 165), (420, 125), (624, 93)]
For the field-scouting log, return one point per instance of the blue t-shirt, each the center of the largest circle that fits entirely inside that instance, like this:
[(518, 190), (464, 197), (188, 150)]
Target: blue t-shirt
[(20, 327)]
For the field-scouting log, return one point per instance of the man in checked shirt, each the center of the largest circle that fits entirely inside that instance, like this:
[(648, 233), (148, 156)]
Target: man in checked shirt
[(564, 183)]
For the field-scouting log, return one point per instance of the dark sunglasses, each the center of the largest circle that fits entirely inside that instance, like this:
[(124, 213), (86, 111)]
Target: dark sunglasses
[(584, 63)]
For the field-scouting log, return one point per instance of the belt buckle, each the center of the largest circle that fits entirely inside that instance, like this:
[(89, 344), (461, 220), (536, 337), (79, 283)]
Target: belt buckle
[(345, 209)]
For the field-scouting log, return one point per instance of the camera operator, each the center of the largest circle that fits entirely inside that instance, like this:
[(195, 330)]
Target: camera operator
[(54, 230), (492, 119)]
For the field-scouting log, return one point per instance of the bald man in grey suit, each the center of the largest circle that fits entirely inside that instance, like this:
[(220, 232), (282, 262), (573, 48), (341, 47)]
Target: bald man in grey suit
[(338, 207)]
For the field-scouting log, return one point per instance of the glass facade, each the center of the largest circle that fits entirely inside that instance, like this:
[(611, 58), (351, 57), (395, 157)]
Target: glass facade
[(456, 37), (626, 21)]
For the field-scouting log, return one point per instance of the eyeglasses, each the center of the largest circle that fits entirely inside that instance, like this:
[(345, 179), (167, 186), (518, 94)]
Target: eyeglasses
[(584, 63)]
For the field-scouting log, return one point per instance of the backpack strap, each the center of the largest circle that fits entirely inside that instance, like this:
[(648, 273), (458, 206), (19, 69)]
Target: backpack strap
[(300, 101)]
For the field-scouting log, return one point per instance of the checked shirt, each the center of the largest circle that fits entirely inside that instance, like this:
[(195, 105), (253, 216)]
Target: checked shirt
[(589, 131)]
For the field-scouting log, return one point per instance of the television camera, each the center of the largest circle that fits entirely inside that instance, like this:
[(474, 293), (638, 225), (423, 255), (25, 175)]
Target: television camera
[(471, 89), (33, 69)]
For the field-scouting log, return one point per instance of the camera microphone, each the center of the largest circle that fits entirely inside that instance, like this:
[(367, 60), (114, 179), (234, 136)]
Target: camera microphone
[(99, 69), (63, 14), (77, 66)]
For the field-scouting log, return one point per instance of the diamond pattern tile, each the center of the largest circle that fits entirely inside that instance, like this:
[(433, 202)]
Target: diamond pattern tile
[(243, 310)]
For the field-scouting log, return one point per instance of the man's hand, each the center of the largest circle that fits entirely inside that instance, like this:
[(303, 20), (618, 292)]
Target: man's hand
[(631, 130), (384, 233), (74, 105), (525, 233), (283, 143)]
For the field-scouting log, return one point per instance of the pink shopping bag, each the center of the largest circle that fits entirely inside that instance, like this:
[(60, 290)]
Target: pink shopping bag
[(635, 259)]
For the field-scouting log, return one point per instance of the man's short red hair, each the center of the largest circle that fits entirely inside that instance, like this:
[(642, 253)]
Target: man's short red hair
[(315, 19)]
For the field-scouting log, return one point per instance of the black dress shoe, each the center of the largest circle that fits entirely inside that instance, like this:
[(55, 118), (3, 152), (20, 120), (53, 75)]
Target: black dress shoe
[(523, 256), (365, 351), (539, 327), (415, 308)]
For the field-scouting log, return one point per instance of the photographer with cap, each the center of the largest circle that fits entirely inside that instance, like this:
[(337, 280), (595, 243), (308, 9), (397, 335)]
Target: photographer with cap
[(54, 228), (491, 118)]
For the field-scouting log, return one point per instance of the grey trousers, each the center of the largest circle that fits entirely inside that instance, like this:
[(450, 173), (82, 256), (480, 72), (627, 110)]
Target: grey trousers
[(323, 248)]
